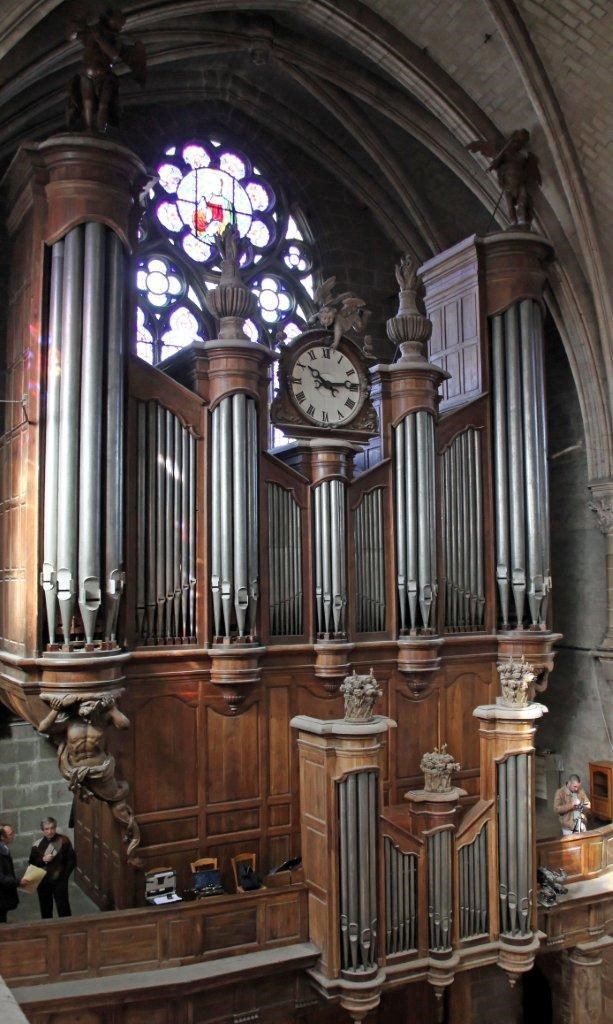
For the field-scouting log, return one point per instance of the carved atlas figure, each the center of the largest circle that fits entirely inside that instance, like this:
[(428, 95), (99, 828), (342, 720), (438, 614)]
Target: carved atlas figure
[(517, 171), (83, 758), (94, 92)]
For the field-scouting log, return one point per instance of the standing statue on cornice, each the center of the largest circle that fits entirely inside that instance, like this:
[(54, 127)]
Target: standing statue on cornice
[(518, 174), (94, 92)]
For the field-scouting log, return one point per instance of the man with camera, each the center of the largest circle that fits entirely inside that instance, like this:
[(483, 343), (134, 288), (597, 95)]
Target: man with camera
[(569, 803)]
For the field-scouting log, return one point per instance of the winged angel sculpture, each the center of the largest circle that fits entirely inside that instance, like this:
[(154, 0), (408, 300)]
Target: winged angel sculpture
[(517, 171), (94, 92), (339, 313)]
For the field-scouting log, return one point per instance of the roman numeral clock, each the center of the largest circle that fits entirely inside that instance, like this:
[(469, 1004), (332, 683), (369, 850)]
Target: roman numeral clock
[(324, 389)]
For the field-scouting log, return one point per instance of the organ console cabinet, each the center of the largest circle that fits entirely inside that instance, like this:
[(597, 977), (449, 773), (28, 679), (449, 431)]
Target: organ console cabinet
[(601, 789), (158, 557)]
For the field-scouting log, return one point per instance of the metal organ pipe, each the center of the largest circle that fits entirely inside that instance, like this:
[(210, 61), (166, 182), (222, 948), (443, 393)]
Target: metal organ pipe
[(369, 563), (235, 523), (54, 356), (415, 497), (84, 483), (463, 505), (520, 446), (114, 477), (68, 447), (358, 870), (330, 559), (514, 784)]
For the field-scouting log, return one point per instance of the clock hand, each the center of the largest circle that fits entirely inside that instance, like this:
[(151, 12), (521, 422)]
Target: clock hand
[(321, 382)]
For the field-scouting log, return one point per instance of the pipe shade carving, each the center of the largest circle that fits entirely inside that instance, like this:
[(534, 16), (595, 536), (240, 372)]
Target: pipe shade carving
[(370, 563), (520, 460), (415, 497), (462, 486), (166, 536), (84, 435), (284, 562)]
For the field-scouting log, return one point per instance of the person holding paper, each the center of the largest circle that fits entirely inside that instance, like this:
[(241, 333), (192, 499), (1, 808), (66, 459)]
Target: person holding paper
[(55, 854), (9, 897)]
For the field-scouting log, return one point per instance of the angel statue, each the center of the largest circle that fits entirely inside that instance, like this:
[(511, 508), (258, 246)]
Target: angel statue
[(517, 171), (339, 313), (94, 93)]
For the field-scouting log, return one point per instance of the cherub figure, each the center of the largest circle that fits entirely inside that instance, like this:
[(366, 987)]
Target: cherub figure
[(517, 171), (339, 313), (94, 94)]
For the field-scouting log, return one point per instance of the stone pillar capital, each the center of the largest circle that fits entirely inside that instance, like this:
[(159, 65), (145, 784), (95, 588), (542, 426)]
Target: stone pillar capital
[(601, 504)]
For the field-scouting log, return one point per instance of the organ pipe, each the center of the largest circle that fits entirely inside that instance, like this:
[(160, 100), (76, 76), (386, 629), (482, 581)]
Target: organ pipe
[(462, 487), (400, 899), (520, 445), (330, 558), (165, 527), (415, 497), (369, 563), (514, 781), (358, 870), (234, 531), (284, 563), (84, 440), (472, 875)]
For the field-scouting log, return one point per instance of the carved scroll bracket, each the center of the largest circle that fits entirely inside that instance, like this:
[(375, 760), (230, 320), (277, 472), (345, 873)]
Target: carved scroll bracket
[(332, 664)]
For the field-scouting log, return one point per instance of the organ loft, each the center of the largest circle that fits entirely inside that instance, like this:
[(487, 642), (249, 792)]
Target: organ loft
[(306, 589)]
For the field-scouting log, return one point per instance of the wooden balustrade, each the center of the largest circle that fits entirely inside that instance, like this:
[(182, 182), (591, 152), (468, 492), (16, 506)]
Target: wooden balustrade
[(582, 856), (148, 939)]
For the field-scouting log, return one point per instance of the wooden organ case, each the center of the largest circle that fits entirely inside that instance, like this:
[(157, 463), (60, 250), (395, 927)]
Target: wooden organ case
[(158, 557)]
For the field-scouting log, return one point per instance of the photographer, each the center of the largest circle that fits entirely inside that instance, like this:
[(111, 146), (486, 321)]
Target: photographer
[(569, 803)]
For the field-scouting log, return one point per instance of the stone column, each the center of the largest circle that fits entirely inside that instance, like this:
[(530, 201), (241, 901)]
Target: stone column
[(602, 506), (585, 990)]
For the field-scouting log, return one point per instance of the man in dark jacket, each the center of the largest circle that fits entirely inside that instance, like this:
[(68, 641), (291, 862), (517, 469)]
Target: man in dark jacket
[(55, 854), (9, 897)]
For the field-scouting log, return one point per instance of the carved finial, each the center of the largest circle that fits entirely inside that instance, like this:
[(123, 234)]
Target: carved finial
[(517, 171), (409, 328), (360, 693), (231, 302), (517, 679), (93, 102), (438, 767)]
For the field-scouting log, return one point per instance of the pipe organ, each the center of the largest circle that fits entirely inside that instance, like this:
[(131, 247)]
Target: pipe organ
[(170, 465)]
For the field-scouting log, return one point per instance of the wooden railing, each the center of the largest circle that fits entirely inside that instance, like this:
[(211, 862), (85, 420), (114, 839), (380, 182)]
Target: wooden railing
[(582, 856), (152, 938)]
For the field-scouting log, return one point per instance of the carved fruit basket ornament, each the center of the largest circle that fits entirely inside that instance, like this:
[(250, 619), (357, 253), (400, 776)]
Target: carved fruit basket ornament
[(438, 767), (360, 693)]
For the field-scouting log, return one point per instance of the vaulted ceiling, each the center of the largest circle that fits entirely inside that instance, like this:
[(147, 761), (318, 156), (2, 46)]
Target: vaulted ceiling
[(386, 94)]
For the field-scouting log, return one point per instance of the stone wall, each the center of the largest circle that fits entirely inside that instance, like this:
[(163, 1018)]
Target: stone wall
[(30, 787), (580, 718)]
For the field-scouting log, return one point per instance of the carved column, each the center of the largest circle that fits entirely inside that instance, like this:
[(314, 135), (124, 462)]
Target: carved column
[(507, 777), (585, 983), (341, 765), (406, 396), (231, 375)]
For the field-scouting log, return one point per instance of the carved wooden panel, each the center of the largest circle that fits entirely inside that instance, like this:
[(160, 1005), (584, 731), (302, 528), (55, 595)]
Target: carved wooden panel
[(166, 726)]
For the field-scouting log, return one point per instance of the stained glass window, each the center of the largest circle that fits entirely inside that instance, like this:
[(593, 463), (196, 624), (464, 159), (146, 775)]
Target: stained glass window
[(203, 185)]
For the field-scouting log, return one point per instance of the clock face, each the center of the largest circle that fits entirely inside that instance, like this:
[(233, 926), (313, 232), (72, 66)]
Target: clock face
[(326, 386)]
